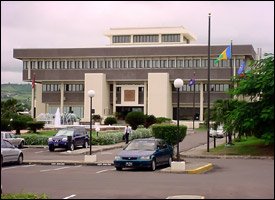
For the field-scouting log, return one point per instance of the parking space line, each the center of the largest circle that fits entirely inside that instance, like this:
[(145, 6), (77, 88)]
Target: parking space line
[(68, 197), (39, 151), (105, 170), (17, 167), (60, 168)]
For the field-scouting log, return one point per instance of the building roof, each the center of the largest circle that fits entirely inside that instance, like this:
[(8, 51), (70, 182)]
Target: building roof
[(151, 30), (148, 51)]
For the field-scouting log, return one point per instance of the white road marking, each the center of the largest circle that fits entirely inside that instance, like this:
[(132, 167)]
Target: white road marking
[(17, 167), (73, 195), (46, 170), (39, 151), (105, 170), (106, 153)]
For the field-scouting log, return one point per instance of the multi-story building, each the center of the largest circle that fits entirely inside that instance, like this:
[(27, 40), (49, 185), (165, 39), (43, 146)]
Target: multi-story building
[(134, 73)]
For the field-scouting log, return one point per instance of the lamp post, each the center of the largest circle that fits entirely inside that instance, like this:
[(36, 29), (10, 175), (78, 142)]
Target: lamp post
[(91, 94), (178, 83)]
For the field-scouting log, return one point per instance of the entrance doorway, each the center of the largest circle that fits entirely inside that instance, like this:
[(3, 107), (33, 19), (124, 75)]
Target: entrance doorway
[(122, 111)]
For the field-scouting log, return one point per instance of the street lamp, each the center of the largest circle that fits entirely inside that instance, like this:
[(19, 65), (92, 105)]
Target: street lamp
[(91, 94), (178, 83)]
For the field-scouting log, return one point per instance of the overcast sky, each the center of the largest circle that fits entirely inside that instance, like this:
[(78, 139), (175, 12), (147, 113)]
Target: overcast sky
[(83, 24)]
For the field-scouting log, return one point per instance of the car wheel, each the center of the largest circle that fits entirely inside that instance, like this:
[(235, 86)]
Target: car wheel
[(21, 145), (20, 159), (72, 146), (118, 168), (85, 145), (51, 148), (153, 165)]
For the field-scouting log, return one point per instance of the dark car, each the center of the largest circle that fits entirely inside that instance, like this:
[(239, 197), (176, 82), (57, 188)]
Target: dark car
[(145, 153), (69, 138), (9, 153)]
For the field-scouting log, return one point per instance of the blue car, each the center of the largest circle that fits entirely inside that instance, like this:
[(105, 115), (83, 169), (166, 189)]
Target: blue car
[(144, 153), (69, 138)]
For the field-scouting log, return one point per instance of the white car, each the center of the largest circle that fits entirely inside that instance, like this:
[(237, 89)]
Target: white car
[(219, 133), (9, 153), (16, 141)]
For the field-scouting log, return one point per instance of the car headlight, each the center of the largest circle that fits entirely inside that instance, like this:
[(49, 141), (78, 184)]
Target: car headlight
[(145, 157), (50, 139), (64, 139), (117, 157)]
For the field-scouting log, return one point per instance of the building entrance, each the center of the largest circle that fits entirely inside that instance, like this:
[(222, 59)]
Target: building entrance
[(122, 111)]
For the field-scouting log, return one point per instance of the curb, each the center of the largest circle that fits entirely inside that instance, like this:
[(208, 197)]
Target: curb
[(226, 157), (62, 163), (200, 170)]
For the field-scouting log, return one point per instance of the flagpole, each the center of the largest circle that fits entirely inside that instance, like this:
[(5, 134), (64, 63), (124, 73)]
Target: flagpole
[(208, 82), (194, 102), (34, 103)]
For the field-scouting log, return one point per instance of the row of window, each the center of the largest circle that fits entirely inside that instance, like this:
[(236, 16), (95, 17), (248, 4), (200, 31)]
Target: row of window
[(148, 38), (67, 87), (128, 63), (213, 88)]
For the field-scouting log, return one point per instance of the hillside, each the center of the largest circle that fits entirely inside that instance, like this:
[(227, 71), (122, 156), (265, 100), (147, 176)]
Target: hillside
[(21, 92)]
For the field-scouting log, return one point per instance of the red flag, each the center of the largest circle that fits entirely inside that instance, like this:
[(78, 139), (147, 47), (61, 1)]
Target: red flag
[(33, 80)]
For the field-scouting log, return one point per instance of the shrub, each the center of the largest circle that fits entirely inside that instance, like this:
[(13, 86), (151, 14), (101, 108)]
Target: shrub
[(110, 120), (134, 119), (97, 118), (161, 120), (149, 120), (34, 125), (140, 133), (34, 139), (169, 133)]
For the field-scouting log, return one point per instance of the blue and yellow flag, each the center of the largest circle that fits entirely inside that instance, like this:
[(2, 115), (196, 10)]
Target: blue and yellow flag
[(225, 55)]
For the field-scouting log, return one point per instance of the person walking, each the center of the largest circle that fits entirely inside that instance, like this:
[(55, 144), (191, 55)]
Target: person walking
[(127, 132)]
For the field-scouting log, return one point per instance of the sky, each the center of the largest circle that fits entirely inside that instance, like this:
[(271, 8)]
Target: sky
[(82, 24)]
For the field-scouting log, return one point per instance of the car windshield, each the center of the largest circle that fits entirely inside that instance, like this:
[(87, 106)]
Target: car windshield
[(145, 145), (65, 132)]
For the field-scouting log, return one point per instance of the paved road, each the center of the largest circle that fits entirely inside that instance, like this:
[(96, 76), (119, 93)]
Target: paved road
[(230, 179)]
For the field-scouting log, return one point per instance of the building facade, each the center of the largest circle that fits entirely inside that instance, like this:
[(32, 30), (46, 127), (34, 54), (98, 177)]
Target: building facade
[(134, 73)]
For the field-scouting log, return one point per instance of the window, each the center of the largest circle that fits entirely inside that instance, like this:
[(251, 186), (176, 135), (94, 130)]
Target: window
[(47, 64), (39, 64), (121, 39), (25, 64), (180, 63), (33, 66), (62, 64), (145, 38), (170, 38), (171, 63)]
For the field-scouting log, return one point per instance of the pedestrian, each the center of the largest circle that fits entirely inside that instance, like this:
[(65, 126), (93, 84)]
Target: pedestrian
[(127, 132)]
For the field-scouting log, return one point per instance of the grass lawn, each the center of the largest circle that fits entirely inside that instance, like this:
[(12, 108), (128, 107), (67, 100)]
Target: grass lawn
[(251, 146)]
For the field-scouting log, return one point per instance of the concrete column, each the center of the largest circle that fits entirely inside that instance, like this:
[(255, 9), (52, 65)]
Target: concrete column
[(159, 95), (145, 98), (114, 97), (201, 101), (61, 97)]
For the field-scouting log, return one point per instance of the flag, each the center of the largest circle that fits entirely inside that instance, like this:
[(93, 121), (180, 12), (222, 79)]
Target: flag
[(191, 82), (225, 55), (33, 80), (241, 69)]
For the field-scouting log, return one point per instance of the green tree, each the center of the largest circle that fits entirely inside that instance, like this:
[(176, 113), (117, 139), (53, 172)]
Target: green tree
[(258, 85)]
